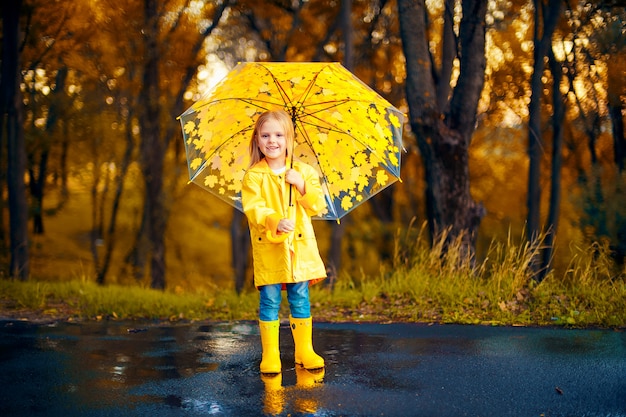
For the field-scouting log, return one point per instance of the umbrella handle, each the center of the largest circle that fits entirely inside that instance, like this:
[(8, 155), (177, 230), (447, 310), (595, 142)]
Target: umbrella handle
[(283, 236), (277, 239)]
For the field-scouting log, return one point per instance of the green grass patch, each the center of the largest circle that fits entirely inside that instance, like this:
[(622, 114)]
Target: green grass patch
[(421, 284), (87, 300)]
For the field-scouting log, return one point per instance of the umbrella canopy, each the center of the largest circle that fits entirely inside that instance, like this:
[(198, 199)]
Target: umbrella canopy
[(344, 129)]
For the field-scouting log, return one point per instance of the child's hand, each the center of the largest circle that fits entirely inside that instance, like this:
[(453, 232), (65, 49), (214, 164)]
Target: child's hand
[(285, 226), (295, 178)]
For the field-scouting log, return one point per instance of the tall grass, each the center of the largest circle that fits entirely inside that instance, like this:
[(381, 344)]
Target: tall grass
[(425, 284), (419, 284)]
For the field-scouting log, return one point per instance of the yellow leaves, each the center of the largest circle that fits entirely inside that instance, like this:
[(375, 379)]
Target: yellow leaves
[(360, 159), (210, 181), (322, 137), (381, 177), (346, 203), (393, 158), (394, 120), (195, 163), (190, 126), (361, 183), (333, 177), (355, 175), (372, 113), (204, 144), (195, 142)]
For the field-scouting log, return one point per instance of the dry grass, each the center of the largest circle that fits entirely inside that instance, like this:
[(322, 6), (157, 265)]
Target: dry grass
[(421, 284)]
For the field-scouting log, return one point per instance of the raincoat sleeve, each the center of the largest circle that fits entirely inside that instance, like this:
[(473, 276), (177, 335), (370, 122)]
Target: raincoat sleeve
[(254, 205), (313, 199)]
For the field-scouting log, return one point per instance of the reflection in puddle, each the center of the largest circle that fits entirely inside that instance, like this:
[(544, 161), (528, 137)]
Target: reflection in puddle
[(206, 407), (276, 395), (100, 364), (188, 404)]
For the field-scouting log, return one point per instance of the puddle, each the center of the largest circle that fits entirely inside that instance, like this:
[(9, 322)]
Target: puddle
[(153, 369)]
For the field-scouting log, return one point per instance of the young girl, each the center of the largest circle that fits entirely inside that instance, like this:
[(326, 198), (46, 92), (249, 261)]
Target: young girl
[(284, 248)]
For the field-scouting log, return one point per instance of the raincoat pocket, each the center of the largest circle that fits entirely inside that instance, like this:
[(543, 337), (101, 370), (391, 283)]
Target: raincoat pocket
[(271, 259), (308, 264)]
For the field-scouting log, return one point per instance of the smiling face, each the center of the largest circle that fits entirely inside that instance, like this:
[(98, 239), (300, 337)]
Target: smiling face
[(272, 143), (273, 130)]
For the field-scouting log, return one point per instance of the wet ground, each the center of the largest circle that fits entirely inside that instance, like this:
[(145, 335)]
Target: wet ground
[(200, 369)]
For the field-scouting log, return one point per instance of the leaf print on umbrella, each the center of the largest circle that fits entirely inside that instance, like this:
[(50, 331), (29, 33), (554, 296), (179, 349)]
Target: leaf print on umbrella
[(349, 133)]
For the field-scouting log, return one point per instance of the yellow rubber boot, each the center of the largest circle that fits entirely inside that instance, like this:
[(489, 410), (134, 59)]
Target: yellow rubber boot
[(302, 331), (270, 363)]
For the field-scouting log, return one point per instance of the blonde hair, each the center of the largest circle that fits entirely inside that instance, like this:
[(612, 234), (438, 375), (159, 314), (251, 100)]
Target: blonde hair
[(283, 118)]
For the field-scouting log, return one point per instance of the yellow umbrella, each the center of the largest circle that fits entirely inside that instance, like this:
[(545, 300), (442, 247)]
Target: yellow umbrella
[(344, 129)]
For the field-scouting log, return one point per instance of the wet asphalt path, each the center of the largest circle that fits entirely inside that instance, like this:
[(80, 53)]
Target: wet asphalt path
[(202, 369)]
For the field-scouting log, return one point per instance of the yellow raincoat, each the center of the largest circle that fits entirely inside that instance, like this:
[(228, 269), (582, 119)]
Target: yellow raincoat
[(265, 200)]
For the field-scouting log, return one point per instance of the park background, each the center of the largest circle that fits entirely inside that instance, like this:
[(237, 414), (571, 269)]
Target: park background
[(514, 142)]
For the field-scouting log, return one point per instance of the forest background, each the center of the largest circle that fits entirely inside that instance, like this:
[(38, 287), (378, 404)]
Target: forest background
[(515, 133)]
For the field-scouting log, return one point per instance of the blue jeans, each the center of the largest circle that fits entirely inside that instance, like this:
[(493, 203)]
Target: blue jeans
[(297, 295)]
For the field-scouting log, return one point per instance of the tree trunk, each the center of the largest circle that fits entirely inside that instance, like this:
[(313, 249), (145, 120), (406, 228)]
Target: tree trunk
[(444, 139), (154, 140), (138, 255), (38, 176), (338, 230), (109, 238), (97, 206), (448, 54), (65, 142), (37, 187), (545, 23), (382, 207), (16, 153), (152, 147), (557, 162), (240, 241), (348, 35), (619, 141), (334, 258), (615, 89)]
